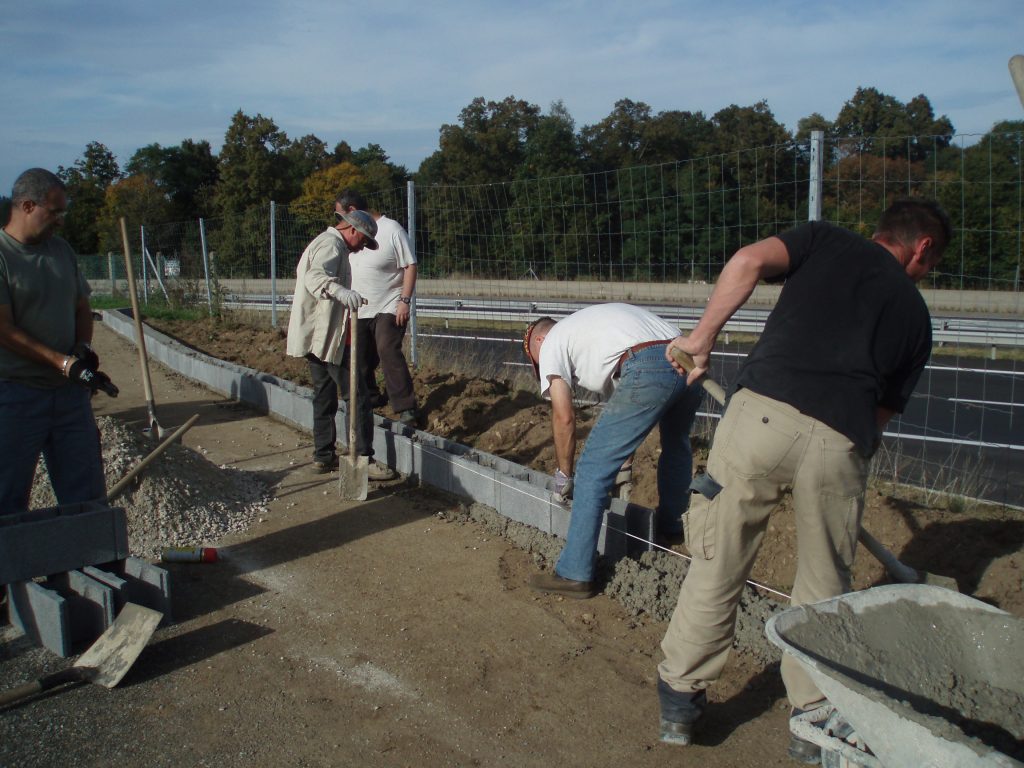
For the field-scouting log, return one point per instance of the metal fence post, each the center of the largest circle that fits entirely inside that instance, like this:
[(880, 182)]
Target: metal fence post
[(110, 271), (145, 280), (273, 265), (206, 264), (817, 169), (411, 207)]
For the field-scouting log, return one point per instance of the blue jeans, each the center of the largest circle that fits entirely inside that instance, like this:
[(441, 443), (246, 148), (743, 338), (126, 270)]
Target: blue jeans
[(59, 424), (650, 393)]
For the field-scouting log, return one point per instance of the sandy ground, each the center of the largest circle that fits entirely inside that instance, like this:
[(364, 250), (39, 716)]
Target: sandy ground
[(400, 632)]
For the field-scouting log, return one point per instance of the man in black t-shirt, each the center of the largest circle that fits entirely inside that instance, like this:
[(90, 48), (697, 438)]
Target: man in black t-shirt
[(841, 353)]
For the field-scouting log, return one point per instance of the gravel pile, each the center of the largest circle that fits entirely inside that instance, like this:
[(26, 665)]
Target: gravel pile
[(181, 499)]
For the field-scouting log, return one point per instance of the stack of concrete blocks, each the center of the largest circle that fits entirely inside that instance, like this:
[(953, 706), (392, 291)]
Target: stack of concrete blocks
[(515, 491), (68, 572)]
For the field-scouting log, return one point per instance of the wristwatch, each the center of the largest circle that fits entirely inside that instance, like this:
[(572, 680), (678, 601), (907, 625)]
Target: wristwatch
[(405, 299)]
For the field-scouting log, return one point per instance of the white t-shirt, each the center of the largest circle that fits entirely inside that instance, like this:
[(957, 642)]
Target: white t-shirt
[(377, 275), (584, 348)]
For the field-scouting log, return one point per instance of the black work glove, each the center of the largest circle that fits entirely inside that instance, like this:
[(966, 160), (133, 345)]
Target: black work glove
[(86, 354), (80, 373)]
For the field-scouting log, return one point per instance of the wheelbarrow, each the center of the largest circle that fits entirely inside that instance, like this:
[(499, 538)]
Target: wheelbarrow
[(915, 675)]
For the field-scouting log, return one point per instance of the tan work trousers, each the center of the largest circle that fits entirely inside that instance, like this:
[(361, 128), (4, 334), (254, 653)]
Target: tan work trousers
[(763, 447)]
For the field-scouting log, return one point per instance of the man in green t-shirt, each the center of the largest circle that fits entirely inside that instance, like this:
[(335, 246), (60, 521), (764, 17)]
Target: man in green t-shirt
[(48, 371)]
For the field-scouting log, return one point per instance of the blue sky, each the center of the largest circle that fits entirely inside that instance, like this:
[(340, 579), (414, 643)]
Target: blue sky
[(130, 74)]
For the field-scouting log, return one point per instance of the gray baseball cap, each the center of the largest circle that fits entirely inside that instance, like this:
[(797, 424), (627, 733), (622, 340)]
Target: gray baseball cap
[(364, 224)]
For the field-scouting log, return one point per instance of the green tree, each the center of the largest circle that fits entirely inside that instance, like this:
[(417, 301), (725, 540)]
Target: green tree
[(139, 200), (186, 174), (304, 157), (619, 140), (380, 174), (87, 181), (253, 171), (989, 252), (882, 125), (316, 203), (489, 143)]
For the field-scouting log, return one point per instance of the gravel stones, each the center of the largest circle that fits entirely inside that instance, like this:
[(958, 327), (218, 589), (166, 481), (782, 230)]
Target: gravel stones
[(181, 499)]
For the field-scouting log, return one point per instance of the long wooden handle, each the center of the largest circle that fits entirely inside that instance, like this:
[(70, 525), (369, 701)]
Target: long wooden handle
[(353, 397), (69, 675), (711, 386), (140, 338), (123, 482)]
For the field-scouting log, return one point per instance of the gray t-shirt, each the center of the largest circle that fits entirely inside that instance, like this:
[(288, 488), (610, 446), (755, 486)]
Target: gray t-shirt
[(42, 285)]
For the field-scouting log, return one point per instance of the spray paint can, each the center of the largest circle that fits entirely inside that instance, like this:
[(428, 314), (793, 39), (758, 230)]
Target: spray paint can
[(189, 555)]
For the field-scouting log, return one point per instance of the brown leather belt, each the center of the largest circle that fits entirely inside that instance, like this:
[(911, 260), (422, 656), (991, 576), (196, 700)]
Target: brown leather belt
[(636, 348)]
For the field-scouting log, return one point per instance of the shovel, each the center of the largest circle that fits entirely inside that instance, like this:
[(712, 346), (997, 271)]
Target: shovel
[(897, 570), (154, 429), (106, 661), (354, 470)]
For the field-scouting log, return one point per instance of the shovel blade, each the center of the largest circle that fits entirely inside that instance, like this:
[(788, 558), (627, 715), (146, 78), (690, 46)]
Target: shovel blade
[(354, 477), (108, 659)]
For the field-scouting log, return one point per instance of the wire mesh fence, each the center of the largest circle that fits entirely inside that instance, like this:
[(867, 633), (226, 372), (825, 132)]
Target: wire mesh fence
[(494, 256)]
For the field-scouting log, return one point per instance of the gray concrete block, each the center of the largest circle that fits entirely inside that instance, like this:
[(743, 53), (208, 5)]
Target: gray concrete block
[(431, 463), (118, 586), (42, 614), (628, 530), (473, 480), (393, 448), (90, 605), (148, 585), (523, 502), (60, 539)]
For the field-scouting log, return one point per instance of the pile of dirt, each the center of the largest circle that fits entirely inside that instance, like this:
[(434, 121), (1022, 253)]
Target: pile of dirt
[(181, 499), (979, 545)]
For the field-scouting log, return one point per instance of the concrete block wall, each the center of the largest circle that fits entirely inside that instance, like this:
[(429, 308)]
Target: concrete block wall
[(517, 492)]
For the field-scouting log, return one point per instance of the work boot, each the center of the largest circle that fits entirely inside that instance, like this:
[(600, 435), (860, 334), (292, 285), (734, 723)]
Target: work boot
[(410, 417), (680, 714), (323, 467), (379, 472), (552, 582)]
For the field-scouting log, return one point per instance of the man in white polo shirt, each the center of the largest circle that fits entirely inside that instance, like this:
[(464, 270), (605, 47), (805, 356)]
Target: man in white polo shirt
[(386, 278), (617, 351)]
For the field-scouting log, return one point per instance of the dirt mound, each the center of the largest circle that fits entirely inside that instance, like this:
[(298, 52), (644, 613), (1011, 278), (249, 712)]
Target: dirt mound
[(181, 499)]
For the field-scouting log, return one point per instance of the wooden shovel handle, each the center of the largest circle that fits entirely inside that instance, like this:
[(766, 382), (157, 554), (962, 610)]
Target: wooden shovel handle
[(711, 386), (69, 675)]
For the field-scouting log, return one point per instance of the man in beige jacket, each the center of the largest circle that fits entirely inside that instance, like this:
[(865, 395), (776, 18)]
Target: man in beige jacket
[(317, 329)]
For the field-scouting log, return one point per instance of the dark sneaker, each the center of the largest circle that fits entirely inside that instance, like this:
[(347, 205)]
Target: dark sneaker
[(379, 472), (681, 714), (409, 417), (323, 467), (552, 582)]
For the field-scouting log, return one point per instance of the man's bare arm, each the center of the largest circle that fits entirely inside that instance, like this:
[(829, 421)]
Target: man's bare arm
[(563, 424), (750, 264)]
